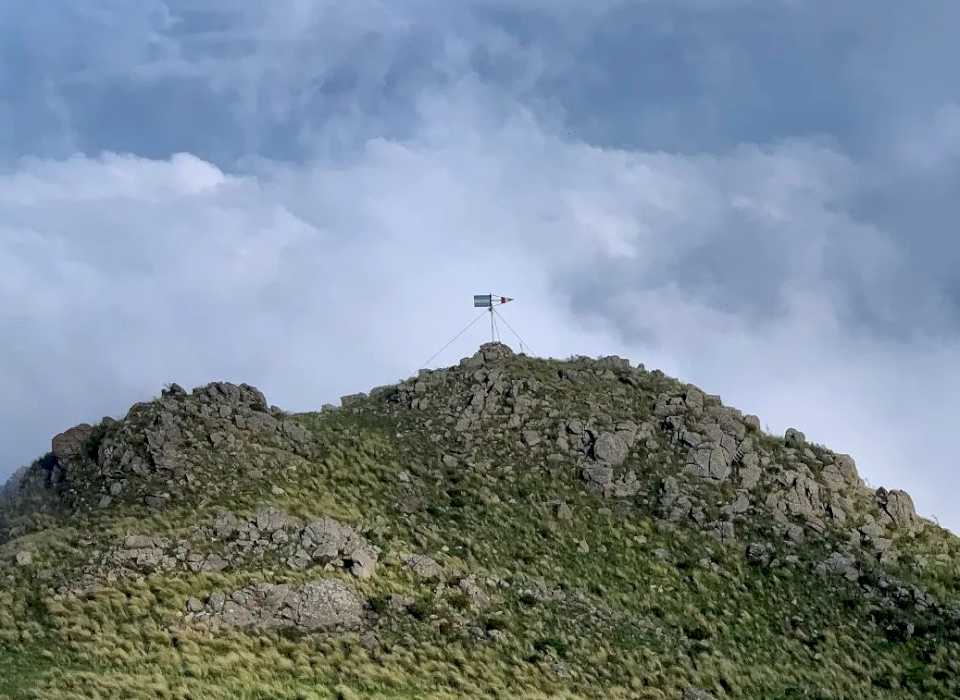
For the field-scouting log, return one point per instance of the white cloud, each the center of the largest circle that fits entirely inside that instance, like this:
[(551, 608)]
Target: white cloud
[(312, 280)]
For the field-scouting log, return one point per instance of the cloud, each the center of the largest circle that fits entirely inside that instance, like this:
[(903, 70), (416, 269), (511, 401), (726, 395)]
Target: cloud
[(319, 279), (755, 196)]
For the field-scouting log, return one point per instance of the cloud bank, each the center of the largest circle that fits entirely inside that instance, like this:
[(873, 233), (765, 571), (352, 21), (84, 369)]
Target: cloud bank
[(756, 197)]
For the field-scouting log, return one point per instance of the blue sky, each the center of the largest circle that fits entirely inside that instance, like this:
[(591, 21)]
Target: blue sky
[(758, 197)]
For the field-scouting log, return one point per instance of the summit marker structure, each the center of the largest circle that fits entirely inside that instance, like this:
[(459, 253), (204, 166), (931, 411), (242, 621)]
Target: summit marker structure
[(488, 301)]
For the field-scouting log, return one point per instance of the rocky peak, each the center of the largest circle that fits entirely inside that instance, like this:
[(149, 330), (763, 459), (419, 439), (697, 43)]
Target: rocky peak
[(585, 518), (175, 448), (641, 438)]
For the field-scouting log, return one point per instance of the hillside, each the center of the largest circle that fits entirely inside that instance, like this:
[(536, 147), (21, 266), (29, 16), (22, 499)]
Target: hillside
[(508, 527)]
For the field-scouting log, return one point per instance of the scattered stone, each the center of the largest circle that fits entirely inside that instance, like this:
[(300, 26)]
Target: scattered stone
[(423, 566), (599, 477), (531, 438), (24, 558), (474, 593), (840, 565)]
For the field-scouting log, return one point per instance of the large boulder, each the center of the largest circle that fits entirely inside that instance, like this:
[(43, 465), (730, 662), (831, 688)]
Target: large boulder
[(423, 566), (794, 438), (709, 461), (611, 448), (71, 443), (896, 507)]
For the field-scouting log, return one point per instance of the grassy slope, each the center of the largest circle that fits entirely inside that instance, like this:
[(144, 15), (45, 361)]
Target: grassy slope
[(631, 624)]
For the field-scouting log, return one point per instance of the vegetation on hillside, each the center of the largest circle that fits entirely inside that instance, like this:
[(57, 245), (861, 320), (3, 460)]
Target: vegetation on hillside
[(547, 585)]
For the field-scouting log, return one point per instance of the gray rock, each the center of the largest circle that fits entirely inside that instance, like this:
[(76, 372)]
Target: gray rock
[(423, 566), (694, 398), (271, 519), (352, 400), (360, 557), (327, 540), (897, 506), (492, 352), (598, 476), (626, 486), (70, 444), (794, 438), (143, 542), (225, 525), (214, 562), (24, 558), (750, 471), (532, 438), (328, 604), (833, 478), (475, 594), (840, 565), (709, 461), (740, 505), (848, 468), (325, 605), (611, 448)]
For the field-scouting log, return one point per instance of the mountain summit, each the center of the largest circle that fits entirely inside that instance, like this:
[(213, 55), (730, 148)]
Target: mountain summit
[(508, 527)]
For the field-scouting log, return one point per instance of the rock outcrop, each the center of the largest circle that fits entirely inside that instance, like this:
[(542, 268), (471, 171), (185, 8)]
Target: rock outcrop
[(232, 542), (326, 605)]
